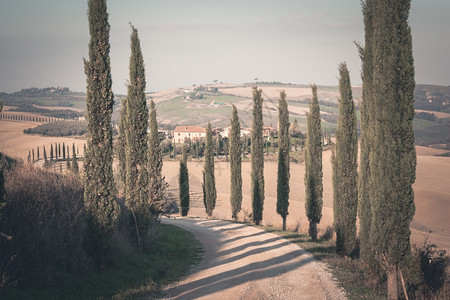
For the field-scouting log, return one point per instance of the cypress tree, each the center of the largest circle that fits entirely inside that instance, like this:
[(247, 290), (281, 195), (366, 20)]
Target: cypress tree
[(45, 154), (345, 173), (235, 165), (136, 152), (313, 166), (99, 188), (64, 151), (32, 152), (51, 153), (121, 145), (364, 190), (257, 149), (283, 159), (74, 167), (184, 184), (68, 164), (155, 164), (209, 179), (393, 160)]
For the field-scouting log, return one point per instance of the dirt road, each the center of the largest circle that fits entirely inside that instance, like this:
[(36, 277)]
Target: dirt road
[(243, 262)]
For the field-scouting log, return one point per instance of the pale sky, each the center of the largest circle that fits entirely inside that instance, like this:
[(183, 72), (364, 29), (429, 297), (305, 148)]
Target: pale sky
[(186, 42)]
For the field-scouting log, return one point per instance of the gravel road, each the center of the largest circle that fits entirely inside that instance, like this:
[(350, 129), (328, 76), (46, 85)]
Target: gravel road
[(243, 262)]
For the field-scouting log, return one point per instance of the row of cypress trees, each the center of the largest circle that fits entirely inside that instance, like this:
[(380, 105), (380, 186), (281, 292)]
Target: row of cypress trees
[(387, 143)]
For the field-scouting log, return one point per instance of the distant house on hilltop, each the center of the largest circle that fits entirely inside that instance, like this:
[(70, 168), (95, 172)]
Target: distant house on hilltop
[(191, 132)]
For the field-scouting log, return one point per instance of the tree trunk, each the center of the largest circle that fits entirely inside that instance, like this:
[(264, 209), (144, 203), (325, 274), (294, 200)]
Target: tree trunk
[(392, 282), (284, 223)]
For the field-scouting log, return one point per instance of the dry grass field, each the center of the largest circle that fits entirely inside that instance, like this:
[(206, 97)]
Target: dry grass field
[(15, 143), (432, 195)]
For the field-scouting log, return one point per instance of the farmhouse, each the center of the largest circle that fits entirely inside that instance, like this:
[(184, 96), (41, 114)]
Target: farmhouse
[(190, 132)]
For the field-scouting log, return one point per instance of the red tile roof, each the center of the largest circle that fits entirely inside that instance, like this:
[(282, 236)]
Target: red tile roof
[(190, 129)]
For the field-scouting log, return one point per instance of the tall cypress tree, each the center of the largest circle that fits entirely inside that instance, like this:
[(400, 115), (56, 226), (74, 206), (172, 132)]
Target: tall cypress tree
[(364, 191), (209, 181), (283, 159), (51, 153), (345, 173), (393, 160), (257, 148), (183, 181), (99, 188), (74, 168), (64, 151), (235, 165), (313, 166), (121, 145), (136, 152), (45, 157), (155, 164)]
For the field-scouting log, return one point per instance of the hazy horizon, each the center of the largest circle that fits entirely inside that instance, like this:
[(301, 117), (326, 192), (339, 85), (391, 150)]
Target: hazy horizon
[(196, 42)]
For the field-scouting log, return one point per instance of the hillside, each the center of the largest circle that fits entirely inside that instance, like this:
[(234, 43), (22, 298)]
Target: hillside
[(198, 105)]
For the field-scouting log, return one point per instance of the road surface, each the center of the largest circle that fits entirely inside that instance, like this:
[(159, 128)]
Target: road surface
[(243, 262)]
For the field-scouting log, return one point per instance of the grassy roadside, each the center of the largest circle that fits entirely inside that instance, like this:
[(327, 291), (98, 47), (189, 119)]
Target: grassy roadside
[(351, 275), (170, 254)]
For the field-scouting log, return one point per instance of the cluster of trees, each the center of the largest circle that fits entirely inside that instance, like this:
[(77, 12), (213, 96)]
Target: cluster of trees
[(139, 154), (56, 113), (426, 116), (59, 128), (59, 153)]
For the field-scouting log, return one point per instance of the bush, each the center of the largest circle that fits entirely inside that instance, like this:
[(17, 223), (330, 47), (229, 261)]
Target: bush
[(44, 215), (428, 275)]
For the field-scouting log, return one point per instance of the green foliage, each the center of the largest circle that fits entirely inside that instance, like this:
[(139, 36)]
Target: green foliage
[(283, 159), (136, 149), (59, 128), (394, 159), (54, 113), (235, 165), (74, 167), (121, 145), (184, 184), (99, 194), (313, 166), (388, 121), (155, 163), (257, 150), (209, 181), (366, 144), (345, 169)]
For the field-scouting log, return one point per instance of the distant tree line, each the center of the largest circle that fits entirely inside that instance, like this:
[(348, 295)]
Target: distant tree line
[(58, 113), (59, 128), (25, 118), (426, 116)]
